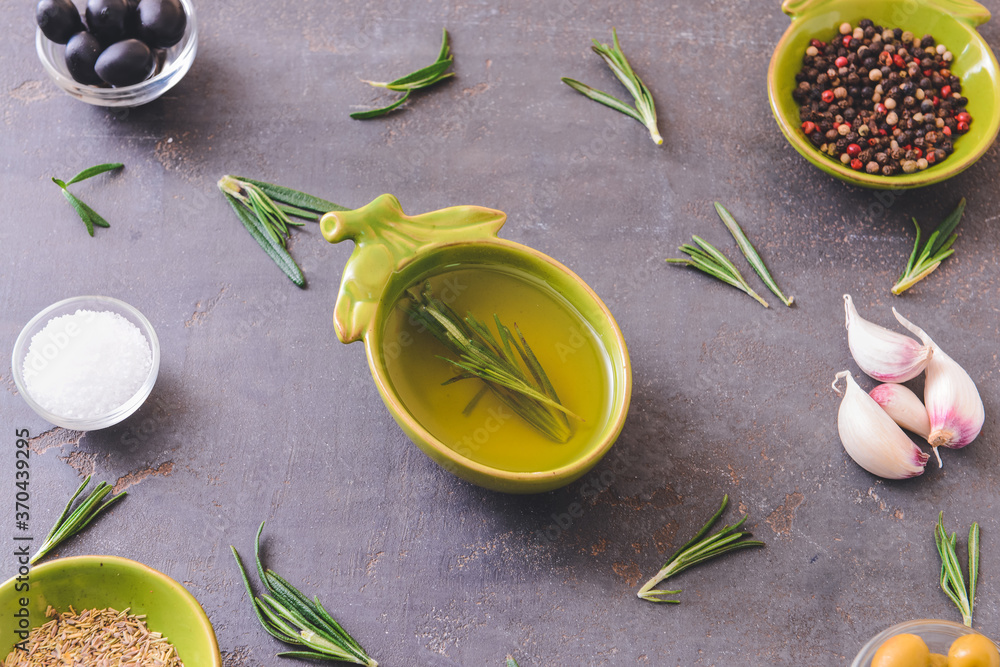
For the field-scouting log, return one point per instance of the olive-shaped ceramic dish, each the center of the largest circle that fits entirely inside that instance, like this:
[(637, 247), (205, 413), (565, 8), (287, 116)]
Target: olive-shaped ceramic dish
[(455, 253), (951, 22)]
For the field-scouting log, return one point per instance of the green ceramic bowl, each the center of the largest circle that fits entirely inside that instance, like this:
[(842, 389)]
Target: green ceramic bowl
[(951, 22), (395, 252), (98, 582)]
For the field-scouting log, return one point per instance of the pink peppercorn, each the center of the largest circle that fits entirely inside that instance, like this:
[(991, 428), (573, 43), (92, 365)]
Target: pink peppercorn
[(854, 150), (963, 117), (827, 96), (840, 62), (856, 164)]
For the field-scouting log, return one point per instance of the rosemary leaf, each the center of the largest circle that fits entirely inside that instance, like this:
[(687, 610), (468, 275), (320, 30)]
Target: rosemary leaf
[(710, 260), (506, 364), (602, 97), (698, 550), (644, 110), (938, 247), (375, 113), (422, 78), (90, 172), (294, 198), (88, 215), (751, 253), (290, 617), (511, 662), (264, 209), (263, 235), (973, 564), (952, 581), (68, 526)]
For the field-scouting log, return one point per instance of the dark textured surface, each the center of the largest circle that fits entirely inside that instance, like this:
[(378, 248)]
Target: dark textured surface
[(259, 413)]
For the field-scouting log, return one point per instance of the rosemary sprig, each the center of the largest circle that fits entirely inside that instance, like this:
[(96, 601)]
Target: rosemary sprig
[(709, 259), (422, 78), (644, 110), (79, 519), (266, 210), (516, 380), (698, 550), (289, 616), (751, 253), (938, 248), (89, 216), (952, 581)]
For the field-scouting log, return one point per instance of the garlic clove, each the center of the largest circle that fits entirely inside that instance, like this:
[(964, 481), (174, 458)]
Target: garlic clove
[(954, 407), (883, 354), (905, 407), (872, 438)]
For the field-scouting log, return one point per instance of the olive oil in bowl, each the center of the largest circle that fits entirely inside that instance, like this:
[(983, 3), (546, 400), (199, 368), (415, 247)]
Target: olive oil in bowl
[(490, 433)]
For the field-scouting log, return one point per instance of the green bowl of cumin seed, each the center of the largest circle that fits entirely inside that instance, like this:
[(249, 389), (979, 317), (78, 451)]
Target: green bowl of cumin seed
[(99, 582)]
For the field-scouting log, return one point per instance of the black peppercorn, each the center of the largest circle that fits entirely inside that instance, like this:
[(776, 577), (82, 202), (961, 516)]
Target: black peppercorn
[(926, 41)]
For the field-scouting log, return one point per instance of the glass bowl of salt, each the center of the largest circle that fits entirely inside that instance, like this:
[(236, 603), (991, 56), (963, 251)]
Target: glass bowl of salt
[(87, 362)]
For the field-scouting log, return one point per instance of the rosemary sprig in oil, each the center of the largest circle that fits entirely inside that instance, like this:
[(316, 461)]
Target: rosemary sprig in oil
[(938, 248), (422, 78), (698, 550), (517, 380), (266, 210), (644, 110), (89, 216), (289, 616), (68, 526), (952, 581)]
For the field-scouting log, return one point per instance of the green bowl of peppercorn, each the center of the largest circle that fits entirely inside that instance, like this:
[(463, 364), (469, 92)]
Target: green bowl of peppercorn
[(915, 112)]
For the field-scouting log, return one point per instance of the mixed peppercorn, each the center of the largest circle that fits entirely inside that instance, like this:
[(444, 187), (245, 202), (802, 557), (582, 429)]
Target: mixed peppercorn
[(881, 100)]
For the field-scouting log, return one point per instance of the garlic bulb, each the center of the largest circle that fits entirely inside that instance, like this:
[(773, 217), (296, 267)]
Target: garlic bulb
[(954, 407), (872, 438), (885, 355)]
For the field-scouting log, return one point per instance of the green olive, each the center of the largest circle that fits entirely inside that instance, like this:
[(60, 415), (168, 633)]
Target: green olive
[(902, 651), (938, 660), (973, 651)]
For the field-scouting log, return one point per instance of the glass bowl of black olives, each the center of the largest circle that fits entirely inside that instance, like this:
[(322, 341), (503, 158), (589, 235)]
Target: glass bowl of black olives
[(116, 53)]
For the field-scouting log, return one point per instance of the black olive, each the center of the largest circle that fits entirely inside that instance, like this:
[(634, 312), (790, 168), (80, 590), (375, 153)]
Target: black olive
[(58, 19), (125, 63), (161, 22), (82, 51), (106, 19)]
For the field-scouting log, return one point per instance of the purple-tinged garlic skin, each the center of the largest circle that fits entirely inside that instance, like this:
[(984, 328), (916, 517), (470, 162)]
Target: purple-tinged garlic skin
[(905, 407), (883, 354), (954, 407), (872, 438)]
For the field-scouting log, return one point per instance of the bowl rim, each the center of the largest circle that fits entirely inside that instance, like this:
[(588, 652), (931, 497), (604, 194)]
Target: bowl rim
[(78, 562), (913, 626), (512, 480), (126, 96), (934, 174), (122, 411)]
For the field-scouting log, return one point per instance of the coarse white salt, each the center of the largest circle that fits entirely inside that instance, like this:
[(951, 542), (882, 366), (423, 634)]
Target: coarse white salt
[(87, 364)]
